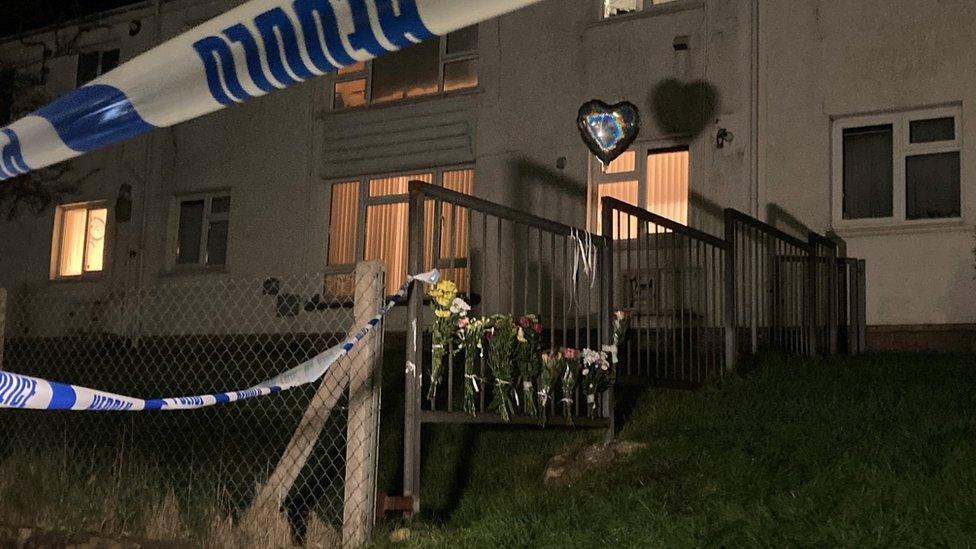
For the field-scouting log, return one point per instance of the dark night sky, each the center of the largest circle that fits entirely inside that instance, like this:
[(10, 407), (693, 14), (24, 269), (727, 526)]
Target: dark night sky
[(21, 15)]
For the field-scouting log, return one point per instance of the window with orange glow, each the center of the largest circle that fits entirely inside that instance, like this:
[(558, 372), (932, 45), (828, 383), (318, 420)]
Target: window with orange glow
[(657, 182), (432, 67), (383, 230), (80, 240)]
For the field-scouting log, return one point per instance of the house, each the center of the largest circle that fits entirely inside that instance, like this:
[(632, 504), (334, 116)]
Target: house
[(846, 117)]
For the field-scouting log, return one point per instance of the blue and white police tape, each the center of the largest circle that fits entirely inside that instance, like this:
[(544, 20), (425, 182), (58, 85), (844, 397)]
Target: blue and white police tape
[(31, 393), (258, 47)]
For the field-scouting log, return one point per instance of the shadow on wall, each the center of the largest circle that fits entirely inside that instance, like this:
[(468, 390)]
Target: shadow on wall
[(684, 108), (529, 181)]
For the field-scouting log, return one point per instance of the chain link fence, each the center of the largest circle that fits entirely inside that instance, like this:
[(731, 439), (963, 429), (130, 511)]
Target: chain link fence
[(298, 467)]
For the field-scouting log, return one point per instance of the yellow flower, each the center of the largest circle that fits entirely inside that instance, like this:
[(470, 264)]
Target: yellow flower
[(442, 313), (521, 336)]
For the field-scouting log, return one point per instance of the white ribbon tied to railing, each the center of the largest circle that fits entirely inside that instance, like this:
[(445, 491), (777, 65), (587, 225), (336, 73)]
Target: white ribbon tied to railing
[(31, 393), (253, 49)]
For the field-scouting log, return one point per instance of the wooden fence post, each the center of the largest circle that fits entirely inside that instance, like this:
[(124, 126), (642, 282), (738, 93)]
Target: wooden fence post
[(862, 306), (810, 298), (415, 355), (731, 345), (363, 424)]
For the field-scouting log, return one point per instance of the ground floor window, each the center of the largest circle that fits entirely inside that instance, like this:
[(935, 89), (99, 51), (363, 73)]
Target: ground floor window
[(897, 168), (79, 240), (369, 220), (202, 230), (653, 179)]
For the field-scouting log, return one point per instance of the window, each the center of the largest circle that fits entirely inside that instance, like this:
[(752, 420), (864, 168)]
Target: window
[(79, 240), (656, 181), (897, 168), (613, 8), (428, 68), (202, 230), (369, 219), (93, 64)]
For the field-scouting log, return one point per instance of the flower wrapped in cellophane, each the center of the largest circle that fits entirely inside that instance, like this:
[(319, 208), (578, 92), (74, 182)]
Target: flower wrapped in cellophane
[(621, 323), (528, 357), (552, 371), (447, 310), (597, 375), (471, 332), (571, 376), (501, 345)]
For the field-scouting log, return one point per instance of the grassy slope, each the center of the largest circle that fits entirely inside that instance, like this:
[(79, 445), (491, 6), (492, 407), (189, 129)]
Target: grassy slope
[(875, 451)]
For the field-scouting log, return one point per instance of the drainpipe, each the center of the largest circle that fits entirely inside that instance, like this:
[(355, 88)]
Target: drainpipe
[(147, 177), (755, 185)]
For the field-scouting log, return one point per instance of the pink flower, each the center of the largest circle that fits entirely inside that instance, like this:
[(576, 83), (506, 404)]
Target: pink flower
[(570, 354), (524, 322), (463, 322), (537, 327)]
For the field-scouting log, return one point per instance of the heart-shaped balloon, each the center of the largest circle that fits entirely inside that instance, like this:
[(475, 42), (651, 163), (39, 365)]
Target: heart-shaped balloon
[(608, 130)]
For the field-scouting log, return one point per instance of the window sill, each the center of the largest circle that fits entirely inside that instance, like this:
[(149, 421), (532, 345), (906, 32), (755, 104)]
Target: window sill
[(78, 279), (663, 9), (911, 227), (178, 272), (410, 101)]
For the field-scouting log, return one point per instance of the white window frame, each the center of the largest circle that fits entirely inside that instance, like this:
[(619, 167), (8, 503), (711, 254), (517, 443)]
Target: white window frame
[(641, 150), (902, 148), (645, 7), (58, 234), (208, 217), (367, 74), (365, 200)]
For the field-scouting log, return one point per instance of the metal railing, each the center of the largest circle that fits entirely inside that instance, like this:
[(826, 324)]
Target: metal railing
[(297, 466), (514, 264), (673, 280)]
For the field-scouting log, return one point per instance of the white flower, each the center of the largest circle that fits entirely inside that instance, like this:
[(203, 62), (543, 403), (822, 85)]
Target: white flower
[(612, 349), (460, 307), (586, 371)]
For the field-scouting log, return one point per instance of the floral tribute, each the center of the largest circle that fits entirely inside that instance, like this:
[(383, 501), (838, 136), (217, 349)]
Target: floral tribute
[(529, 358), (447, 311), (471, 332), (511, 348)]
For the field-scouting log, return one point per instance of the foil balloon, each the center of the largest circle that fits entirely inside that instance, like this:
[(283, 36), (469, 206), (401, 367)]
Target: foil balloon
[(608, 130)]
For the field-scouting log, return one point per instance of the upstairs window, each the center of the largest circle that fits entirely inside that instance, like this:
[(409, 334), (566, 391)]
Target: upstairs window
[(897, 168), (79, 240), (202, 230), (614, 8), (93, 64), (431, 67)]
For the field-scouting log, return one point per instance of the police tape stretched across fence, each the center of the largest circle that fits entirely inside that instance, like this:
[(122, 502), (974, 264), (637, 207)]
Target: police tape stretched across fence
[(31, 393), (256, 48)]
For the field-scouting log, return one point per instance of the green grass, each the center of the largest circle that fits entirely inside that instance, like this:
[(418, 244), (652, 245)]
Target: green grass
[(866, 452)]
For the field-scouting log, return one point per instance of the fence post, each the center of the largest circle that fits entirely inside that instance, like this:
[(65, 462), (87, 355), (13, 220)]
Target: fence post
[(415, 356), (731, 345), (862, 306), (363, 425), (833, 296), (607, 308), (810, 297), (3, 322)]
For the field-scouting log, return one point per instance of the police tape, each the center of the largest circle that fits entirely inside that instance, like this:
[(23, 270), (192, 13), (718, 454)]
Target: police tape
[(256, 48), (31, 393)]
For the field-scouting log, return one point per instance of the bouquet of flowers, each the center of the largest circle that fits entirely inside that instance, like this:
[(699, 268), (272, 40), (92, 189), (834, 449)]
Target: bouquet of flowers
[(471, 332), (571, 376), (501, 343), (621, 323), (528, 358), (552, 370), (597, 377), (447, 310)]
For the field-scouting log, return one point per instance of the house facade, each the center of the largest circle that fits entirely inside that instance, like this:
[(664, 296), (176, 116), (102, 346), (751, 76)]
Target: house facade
[(829, 116)]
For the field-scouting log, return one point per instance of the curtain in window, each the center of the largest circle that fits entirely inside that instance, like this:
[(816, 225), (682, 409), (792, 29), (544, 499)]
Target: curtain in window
[(95, 240), (625, 191), (386, 227), (667, 185), (343, 218), (73, 226)]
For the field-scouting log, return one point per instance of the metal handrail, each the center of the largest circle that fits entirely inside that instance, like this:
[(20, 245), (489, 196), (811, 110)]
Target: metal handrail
[(669, 224)]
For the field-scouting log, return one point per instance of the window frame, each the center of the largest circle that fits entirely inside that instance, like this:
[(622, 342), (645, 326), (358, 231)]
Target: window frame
[(902, 149), (58, 237), (647, 8), (173, 250), (444, 59), (365, 201), (101, 50), (641, 152)]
